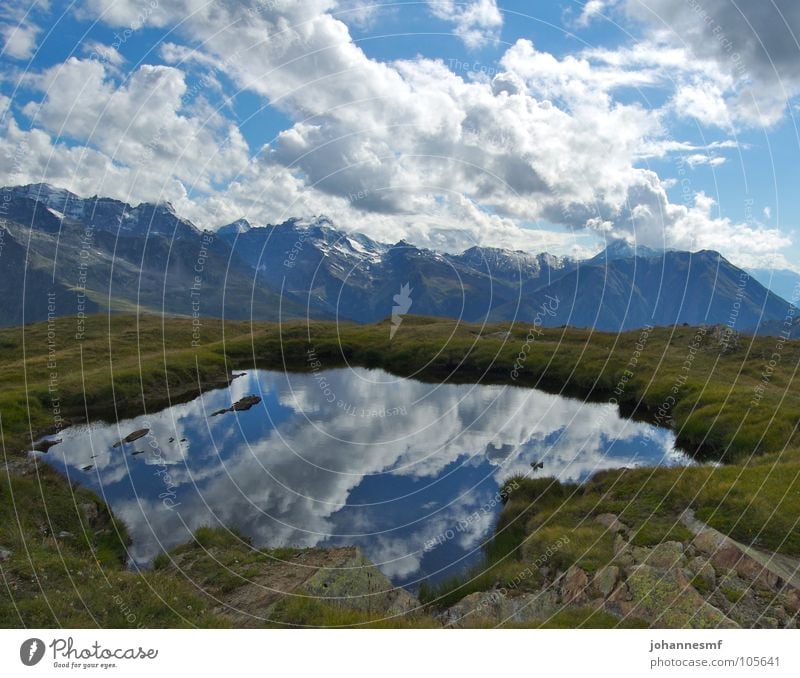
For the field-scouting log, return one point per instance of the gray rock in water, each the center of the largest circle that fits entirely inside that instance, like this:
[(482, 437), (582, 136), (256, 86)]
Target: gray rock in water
[(240, 405), (45, 445), (131, 437)]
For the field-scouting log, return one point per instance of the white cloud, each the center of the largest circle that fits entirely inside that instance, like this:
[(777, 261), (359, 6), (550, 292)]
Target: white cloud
[(753, 44), (591, 11), (696, 159), (476, 22), (19, 41), (104, 53), (439, 158), (151, 122)]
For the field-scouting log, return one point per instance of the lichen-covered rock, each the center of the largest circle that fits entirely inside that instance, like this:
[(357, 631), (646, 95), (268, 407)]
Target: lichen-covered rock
[(702, 569), (665, 555), (357, 584), (666, 599), (604, 580), (495, 608), (574, 585)]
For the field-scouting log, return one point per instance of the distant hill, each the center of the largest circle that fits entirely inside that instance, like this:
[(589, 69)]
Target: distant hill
[(783, 282)]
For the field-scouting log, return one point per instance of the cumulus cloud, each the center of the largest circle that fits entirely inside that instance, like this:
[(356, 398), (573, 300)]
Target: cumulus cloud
[(19, 41), (436, 156), (754, 44), (476, 22)]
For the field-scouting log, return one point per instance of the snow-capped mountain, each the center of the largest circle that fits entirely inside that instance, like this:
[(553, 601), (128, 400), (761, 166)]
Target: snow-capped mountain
[(150, 256), (104, 214)]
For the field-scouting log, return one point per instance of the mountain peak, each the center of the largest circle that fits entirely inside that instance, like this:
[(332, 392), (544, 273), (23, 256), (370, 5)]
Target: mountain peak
[(235, 228), (621, 249)]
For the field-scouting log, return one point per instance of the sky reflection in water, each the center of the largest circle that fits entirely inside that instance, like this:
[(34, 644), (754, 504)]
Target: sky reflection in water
[(350, 456)]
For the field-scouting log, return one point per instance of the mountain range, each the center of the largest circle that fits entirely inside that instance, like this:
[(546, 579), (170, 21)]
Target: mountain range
[(94, 254)]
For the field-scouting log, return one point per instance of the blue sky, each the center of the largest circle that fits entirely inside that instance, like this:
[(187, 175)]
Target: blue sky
[(540, 126)]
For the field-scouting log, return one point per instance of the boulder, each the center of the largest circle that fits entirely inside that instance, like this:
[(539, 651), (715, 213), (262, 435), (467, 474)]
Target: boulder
[(574, 585), (666, 599), (701, 568), (665, 555), (604, 580), (494, 608)]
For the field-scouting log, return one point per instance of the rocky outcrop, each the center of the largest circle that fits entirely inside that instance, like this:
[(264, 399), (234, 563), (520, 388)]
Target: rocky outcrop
[(708, 581), (248, 588)]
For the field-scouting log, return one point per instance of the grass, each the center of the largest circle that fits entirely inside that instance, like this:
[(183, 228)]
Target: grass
[(125, 365)]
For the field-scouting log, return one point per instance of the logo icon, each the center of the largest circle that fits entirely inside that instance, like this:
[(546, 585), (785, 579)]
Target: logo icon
[(402, 304), (31, 651)]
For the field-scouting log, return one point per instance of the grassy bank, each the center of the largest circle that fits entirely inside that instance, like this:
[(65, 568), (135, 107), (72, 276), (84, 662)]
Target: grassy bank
[(66, 561)]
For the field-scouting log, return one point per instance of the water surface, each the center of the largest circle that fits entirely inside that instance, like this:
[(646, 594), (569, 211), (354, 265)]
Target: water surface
[(354, 456)]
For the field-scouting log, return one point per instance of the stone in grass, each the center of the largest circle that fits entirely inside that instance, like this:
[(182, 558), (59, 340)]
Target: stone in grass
[(574, 585), (703, 570), (605, 579), (665, 555), (5, 553)]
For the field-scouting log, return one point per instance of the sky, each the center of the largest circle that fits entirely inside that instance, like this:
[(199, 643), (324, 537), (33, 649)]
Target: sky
[(538, 125)]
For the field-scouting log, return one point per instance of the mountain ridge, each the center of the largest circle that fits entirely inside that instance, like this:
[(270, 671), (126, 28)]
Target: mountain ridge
[(147, 255)]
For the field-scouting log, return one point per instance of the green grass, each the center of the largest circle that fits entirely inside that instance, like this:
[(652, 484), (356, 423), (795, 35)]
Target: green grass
[(126, 365)]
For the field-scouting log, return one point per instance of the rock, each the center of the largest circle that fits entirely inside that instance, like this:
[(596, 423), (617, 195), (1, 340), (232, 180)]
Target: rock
[(240, 405), (793, 600), (663, 556), (493, 608), (666, 600), (605, 579), (357, 584), (573, 586), (5, 553), (45, 445), (725, 555), (611, 522), (701, 568), (131, 437), (137, 452)]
